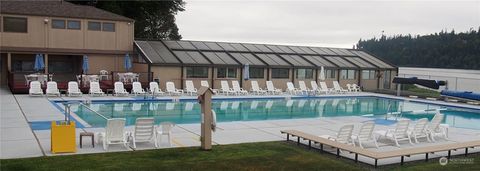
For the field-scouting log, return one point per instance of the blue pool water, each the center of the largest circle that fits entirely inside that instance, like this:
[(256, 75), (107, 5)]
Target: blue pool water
[(188, 111)]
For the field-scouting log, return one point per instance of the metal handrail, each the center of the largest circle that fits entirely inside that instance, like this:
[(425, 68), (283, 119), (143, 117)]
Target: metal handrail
[(93, 111)]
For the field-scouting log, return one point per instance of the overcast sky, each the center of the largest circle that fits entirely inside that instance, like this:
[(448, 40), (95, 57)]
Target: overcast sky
[(321, 23)]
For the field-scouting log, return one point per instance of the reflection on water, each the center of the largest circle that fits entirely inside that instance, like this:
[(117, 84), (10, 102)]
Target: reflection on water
[(264, 109)]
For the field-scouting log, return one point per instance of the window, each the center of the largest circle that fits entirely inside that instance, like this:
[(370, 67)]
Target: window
[(58, 24), (368, 74), (95, 26), (197, 72), (305, 73), (22, 65), (60, 66), (347, 74), (280, 73), (73, 24), (226, 73), (15, 24), (256, 73), (109, 27), (330, 74)]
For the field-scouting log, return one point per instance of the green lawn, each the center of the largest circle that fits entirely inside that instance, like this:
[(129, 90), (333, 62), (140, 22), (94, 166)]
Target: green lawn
[(252, 156)]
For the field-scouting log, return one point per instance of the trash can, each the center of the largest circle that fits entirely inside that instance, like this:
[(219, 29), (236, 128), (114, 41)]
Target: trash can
[(63, 137)]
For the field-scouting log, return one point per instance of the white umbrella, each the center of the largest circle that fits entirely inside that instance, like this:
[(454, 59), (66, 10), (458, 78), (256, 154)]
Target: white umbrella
[(322, 74)]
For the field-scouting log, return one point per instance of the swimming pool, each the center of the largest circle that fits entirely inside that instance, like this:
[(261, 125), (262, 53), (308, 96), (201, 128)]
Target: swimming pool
[(188, 111)]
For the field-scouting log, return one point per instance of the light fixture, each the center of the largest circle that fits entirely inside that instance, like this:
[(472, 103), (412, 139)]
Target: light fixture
[(45, 20)]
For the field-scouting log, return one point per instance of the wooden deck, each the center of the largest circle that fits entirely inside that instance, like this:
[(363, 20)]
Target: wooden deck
[(379, 155)]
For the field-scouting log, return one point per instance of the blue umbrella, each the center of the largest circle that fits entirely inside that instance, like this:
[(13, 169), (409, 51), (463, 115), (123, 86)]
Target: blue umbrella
[(39, 65), (85, 65), (128, 62), (246, 72)]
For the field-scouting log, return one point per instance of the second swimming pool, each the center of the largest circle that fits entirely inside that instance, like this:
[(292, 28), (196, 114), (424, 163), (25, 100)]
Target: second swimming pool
[(188, 111)]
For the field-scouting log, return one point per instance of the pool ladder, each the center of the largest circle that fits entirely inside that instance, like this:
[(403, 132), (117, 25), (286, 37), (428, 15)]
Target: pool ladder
[(391, 113)]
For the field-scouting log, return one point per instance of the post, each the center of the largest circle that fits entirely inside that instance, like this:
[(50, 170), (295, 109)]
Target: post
[(399, 86), (46, 65), (205, 100)]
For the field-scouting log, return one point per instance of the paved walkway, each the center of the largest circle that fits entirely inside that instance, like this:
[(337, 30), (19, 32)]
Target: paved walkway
[(18, 140)]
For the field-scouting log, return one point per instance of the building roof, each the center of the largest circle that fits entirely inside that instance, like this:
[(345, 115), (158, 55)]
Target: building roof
[(260, 55), (57, 9)]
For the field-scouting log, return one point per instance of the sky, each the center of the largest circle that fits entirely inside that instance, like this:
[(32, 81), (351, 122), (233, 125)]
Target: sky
[(321, 23)]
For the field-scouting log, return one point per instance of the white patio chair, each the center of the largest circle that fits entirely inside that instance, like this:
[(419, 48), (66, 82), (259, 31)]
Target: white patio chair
[(204, 83), (365, 134), (350, 88), (356, 88), (419, 130), (171, 90), (52, 89), (103, 75), (434, 128), (190, 88), (317, 89), (324, 88), (344, 135), (291, 89), (303, 88), (119, 90), (256, 89), (35, 89), (154, 89), (114, 133), (137, 88), (400, 133), (144, 132), (166, 130), (272, 89), (95, 89), (225, 88), (73, 89), (238, 90), (338, 88)]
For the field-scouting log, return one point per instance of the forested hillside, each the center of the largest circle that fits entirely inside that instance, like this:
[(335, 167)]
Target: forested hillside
[(439, 50)]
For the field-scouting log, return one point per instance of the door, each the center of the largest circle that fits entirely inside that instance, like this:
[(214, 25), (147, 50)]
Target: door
[(386, 79)]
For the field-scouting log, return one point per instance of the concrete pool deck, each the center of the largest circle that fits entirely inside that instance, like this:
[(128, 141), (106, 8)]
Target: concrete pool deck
[(18, 140)]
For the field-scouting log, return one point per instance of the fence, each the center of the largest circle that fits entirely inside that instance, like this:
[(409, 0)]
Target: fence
[(454, 83)]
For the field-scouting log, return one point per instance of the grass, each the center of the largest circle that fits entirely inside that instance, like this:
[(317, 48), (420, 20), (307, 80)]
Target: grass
[(251, 156)]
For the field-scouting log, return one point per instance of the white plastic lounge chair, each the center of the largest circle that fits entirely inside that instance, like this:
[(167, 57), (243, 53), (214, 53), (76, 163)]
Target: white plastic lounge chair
[(365, 134), (166, 130), (114, 133), (190, 88), (303, 88), (35, 89), (349, 88), (204, 83), (272, 89), (317, 89), (95, 89), (338, 88), (137, 88), (73, 89), (291, 89), (419, 130), (256, 89), (238, 90), (119, 90), (171, 90), (434, 129), (155, 90), (52, 89), (344, 135), (144, 132), (324, 87), (400, 133), (225, 88)]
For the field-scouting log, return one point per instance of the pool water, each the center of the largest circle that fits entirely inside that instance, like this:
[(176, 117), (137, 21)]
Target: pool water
[(188, 111)]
